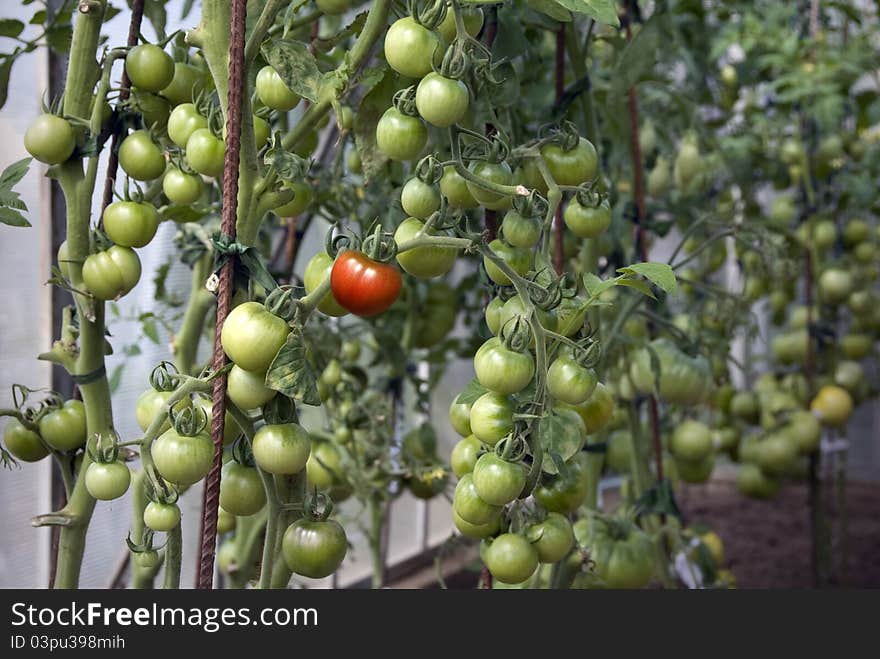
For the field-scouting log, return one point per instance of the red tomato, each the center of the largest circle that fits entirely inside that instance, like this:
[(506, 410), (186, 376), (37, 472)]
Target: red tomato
[(363, 286)]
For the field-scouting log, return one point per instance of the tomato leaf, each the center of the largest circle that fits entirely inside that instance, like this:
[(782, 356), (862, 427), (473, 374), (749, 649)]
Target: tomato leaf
[(11, 205), (595, 286), (5, 70), (471, 392), (560, 439), (372, 106), (10, 27), (659, 274), (660, 500), (296, 66), (637, 59), (551, 8), (603, 11), (155, 12), (291, 373), (637, 284)]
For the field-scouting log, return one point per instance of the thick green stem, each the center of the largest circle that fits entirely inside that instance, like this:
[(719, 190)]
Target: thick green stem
[(173, 556), (186, 344), (141, 578), (377, 522), (248, 533)]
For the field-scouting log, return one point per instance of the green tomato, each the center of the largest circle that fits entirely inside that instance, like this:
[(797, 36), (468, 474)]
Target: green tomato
[(205, 152), (460, 417), (106, 481), (753, 482), (566, 494), (282, 448), (247, 389), (519, 231), (273, 92), (241, 490), (497, 481), (569, 381), (478, 531), (441, 101), (302, 197), (110, 274), (835, 285), (501, 369), (695, 471), (511, 558), (555, 538), (493, 314), (149, 67), (183, 460), (419, 199), (410, 48), (252, 336), (499, 173), (131, 223), (400, 136), (624, 554), (324, 466), (464, 455), (422, 262), (161, 517), (225, 522), (572, 167), (140, 157), (468, 505), (187, 83), (50, 139), (314, 549), (492, 417), (64, 429), (317, 270), (182, 188), (454, 187), (587, 221), (473, 22), (692, 441), (519, 260), (24, 444), (776, 455), (598, 409), (183, 121)]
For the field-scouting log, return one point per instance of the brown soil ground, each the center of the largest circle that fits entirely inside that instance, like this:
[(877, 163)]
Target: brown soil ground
[(767, 543)]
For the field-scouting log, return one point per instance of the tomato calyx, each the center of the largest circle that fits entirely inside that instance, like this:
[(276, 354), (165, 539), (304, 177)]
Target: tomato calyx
[(430, 15), (164, 377), (188, 422), (428, 170), (516, 334), (282, 302), (404, 101), (456, 61), (534, 205), (566, 135)]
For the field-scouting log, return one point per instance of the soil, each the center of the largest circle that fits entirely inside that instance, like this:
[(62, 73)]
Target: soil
[(767, 543)]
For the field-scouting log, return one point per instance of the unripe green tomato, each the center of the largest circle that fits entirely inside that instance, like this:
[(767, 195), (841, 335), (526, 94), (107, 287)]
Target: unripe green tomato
[(459, 417), (473, 22), (317, 270), (107, 480), (140, 157), (149, 67), (464, 455), (187, 83), (419, 199), (64, 429), (519, 231), (273, 92), (497, 173), (493, 314), (518, 259), (50, 139), (247, 389), (225, 522), (161, 517), (24, 444), (182, 188), (241, 489), (454, 187), (423, 262), (302, 197)]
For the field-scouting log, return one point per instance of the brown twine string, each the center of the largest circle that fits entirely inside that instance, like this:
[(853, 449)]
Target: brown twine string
[(134, 29), (205, 578)]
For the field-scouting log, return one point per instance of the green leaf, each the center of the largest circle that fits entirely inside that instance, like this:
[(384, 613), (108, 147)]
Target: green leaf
[(115, 378), (149, 327), (372, 106), (182, 213), (13, 218), (296, 66), (559, 438), (39, 18), (5, 69), (659, 274), (155, 12), (659, 500), (11, 205), (291, 373), (595, 286), (9, 27), (552, 9), (471, 392), (637, 60), (639, 285), (603, 11)]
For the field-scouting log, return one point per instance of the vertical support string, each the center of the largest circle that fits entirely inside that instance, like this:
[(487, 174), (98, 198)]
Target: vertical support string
[(210, 501)]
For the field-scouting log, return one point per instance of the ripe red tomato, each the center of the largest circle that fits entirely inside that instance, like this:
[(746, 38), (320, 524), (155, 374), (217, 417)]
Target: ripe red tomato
[(363, 286)]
